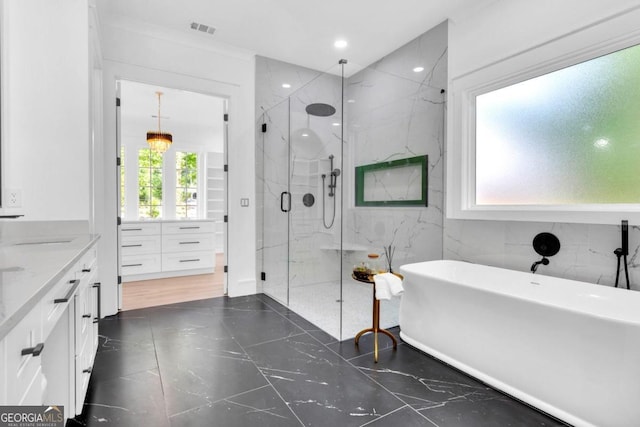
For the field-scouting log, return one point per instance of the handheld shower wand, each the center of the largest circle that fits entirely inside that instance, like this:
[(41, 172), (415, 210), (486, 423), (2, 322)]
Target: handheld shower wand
[(623, 251), (333, 183)]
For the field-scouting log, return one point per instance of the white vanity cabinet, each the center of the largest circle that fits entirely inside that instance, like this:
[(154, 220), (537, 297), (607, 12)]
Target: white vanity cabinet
[(49, 344), (167, 248)]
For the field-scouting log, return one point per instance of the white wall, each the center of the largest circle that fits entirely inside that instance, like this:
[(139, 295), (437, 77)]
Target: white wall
[(46, 107), (540, 31), (150, 58), (508, 27)]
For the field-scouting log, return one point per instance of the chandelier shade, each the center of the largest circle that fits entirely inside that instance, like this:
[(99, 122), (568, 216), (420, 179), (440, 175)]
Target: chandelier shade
[(159, 141)]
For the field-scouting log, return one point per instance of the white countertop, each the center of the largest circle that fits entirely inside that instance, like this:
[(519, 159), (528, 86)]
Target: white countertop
[(30, 267)]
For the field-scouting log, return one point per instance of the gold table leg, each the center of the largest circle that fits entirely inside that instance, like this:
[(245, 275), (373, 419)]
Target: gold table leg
[(376, 328)]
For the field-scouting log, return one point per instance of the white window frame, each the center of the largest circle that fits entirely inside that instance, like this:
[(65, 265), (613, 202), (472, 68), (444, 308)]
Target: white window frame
[(595, 40)]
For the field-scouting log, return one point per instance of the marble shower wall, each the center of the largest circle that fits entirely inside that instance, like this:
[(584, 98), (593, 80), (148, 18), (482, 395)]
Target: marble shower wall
[(395, 113)]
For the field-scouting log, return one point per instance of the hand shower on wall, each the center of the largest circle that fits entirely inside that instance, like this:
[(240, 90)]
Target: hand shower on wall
[(333, 183)]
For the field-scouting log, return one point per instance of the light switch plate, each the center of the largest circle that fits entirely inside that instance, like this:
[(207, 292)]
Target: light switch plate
[(244, 202)]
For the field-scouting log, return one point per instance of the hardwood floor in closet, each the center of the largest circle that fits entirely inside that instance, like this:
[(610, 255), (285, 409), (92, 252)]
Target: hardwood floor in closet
[(150, 293)]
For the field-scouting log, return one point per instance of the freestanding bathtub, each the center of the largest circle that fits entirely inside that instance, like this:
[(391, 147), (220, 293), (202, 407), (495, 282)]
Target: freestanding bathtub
[(571, 349)]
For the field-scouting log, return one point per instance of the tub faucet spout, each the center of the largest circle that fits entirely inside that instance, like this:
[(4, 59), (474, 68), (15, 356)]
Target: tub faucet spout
[(534, 266)]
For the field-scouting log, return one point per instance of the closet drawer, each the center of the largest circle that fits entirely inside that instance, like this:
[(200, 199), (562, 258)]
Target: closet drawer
[(188, 260), (187, 243), (139, 229), (24, 345), (137, 245), (140, 264), (187, 227)]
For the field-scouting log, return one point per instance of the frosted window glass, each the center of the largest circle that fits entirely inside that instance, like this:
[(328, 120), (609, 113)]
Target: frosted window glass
[(568, 137)]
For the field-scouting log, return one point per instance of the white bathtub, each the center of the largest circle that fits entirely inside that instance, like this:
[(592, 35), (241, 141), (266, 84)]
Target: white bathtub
[(571, 349)]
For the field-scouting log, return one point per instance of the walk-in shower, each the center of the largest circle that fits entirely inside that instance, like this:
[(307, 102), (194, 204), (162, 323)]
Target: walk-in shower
[(309, 234)]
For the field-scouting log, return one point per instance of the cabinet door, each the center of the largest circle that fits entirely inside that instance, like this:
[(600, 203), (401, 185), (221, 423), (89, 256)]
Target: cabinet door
[(24, 345)]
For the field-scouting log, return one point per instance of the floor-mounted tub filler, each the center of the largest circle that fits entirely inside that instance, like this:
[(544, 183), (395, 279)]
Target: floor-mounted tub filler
[(571, 349)]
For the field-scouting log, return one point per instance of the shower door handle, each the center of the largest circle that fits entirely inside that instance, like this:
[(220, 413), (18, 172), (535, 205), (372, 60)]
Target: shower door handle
[(282, 201)]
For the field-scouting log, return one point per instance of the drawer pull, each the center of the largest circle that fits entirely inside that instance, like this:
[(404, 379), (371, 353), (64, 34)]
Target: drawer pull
[(34, 351), (72, 291), (190, 228), (132, 265), (132, 229), (131, 246), (86, 316), (86, 270), (190, 260), (96, 320), (189, 243), (86, 371)]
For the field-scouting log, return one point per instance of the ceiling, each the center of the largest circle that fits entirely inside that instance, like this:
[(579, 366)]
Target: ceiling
[(300, 32)]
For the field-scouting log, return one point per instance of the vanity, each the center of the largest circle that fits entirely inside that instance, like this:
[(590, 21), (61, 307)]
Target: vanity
[(49, 313)]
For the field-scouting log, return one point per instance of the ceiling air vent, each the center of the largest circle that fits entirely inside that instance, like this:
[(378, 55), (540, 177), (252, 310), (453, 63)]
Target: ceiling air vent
[(203, 28)]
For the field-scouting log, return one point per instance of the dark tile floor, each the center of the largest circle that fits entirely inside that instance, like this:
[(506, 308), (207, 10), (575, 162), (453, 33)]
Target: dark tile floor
[(250, 361)]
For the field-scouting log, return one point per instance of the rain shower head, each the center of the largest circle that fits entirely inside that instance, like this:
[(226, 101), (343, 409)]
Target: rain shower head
[(320, 110)]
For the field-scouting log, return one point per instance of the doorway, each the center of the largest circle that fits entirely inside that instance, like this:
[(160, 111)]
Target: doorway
[(172, 237)]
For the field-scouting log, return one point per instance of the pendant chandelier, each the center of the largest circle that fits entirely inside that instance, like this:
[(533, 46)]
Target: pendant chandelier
[(159, 141)]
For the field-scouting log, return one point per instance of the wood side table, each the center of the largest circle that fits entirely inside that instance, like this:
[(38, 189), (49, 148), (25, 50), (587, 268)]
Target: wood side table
[(375, 328)]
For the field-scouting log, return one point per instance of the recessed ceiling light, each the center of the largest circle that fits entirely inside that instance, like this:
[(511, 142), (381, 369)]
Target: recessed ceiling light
[(340, 44), (418, 69), (286, 85), (305, 134), (336, 124), (351, 101)]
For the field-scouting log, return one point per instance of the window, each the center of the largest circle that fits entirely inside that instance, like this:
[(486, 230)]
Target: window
[(186, 185), (568, 137), (149, 184), (551, 133)]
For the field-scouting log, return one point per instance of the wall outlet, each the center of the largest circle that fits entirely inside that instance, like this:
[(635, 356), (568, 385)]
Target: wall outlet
[(13, 198)]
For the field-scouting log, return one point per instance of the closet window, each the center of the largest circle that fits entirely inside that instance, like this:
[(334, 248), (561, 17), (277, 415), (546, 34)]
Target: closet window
[(186, 185), (149, 184)]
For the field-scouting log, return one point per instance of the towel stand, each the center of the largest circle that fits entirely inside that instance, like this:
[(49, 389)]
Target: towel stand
[(375, 328)]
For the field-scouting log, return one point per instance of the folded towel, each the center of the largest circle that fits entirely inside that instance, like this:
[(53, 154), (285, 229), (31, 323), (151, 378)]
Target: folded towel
[(395, 284), (387, 285)]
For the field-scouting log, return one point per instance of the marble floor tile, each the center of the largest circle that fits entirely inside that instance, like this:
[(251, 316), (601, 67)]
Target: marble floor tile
[(260, 407), (133, 400), (250, 361), (319, 385)]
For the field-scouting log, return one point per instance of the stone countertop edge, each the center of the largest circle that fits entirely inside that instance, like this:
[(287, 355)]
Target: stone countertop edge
[(9, 323)]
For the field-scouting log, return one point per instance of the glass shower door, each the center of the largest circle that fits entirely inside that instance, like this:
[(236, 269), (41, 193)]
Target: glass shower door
[(276, 202)]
